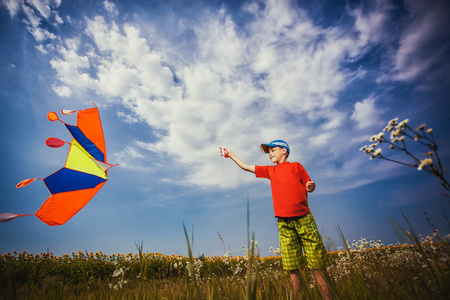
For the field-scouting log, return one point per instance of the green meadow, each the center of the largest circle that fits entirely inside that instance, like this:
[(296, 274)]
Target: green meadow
[(365, 269)]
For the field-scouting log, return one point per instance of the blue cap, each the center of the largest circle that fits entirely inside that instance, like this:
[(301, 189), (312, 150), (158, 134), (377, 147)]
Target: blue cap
[(275, 143)]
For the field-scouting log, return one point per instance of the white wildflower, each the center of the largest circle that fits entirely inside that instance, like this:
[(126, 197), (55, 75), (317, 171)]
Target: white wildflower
[(403, 123), (377, 152), (395, 133), (421, 127), (118, 273), (393, 122), (378, 137), (423, 163)]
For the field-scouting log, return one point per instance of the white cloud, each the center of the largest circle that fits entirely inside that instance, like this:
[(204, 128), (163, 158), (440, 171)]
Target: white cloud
[(41, 49), (366, 113), (41, 35), (128, 119), (128, 157), (62, 91), (371, 24), (278, 78), (321, 140), (71, 67), (13, 6), (32, 18), (42, 6), (36, 12), (110, 7), (420, 46), (58, 19)]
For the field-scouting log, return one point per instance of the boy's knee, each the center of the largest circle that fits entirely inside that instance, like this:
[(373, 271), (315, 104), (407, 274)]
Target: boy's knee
[(294, 272)]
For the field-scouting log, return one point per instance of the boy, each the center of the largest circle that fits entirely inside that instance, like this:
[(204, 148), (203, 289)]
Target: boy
[(297, 229)]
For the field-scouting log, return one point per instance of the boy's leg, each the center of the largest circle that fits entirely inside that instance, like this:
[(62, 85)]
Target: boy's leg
[(297, 283), (321, 279), (316, 254), (291, 251)]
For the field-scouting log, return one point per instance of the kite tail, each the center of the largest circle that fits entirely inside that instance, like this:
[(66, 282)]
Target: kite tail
[(6, 217), (27, 182)]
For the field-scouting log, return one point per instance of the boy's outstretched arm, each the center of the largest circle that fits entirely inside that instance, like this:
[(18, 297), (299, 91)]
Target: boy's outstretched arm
[(243, 165)]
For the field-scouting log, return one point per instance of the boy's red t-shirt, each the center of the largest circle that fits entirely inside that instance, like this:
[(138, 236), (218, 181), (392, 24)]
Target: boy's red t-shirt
[(288, 182)]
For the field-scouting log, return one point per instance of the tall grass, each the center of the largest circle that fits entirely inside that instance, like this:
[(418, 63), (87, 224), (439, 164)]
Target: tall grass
[(419, 269)]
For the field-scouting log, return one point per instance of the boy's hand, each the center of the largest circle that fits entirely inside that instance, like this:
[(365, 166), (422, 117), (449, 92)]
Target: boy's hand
[(224, 152), (310, 186)]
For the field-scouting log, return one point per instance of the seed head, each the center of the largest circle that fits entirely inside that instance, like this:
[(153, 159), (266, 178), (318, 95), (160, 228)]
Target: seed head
[(421, 127), (403, 123), (393, 122), (423, 163)]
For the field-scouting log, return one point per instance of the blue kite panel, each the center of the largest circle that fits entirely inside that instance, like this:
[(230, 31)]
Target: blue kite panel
[(67, 180), (89, 146)]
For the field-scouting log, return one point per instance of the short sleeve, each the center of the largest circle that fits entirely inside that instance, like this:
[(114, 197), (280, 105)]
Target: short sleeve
[(304, 177), (262, 171)]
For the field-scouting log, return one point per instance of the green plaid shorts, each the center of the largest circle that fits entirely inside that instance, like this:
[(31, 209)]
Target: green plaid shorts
[(298, 234)]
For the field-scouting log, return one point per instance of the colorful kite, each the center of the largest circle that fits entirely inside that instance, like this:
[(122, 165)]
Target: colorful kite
[(83, 175)]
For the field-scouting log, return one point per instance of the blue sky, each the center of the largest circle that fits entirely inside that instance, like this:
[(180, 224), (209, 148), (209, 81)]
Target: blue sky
[(175, 80)]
